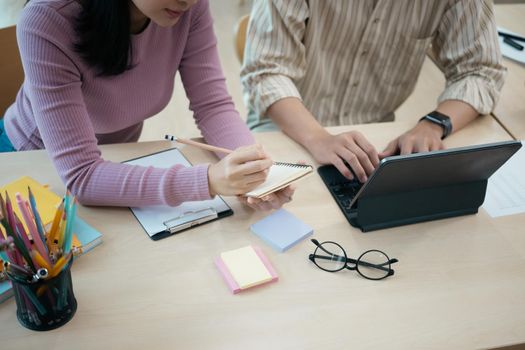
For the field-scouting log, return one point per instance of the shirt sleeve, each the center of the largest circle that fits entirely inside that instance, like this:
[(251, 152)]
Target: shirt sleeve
[(53, 82), (205, 86), (467, 49), (274, 56)]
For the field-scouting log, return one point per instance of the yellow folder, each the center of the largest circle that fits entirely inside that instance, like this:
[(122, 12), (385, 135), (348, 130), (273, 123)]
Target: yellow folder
[(46, 200)]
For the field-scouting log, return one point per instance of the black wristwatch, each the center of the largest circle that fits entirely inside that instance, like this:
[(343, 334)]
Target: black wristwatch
[(441, 120)]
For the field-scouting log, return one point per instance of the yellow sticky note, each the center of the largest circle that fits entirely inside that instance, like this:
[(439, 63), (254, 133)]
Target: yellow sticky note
[(246, 267), (46, 200)]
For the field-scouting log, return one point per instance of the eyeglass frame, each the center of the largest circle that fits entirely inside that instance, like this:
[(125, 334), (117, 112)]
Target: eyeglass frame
[(357, 262)]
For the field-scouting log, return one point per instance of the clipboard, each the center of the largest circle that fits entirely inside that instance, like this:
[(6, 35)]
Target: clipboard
[(163, 221)]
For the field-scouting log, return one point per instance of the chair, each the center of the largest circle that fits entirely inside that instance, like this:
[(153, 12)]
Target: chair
[(240, 36), (11, 71)]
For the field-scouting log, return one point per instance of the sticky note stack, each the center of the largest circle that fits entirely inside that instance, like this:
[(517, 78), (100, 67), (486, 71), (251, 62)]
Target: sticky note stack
[(281, 230), (245, 268)]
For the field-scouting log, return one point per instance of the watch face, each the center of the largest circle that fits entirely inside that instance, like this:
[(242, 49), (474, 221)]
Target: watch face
[(442, 120)]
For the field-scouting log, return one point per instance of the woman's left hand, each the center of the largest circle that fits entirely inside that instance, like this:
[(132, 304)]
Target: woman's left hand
[(274, 200)]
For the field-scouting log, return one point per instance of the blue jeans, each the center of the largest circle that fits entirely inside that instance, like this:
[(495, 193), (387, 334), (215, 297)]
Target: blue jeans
[(5, 144)]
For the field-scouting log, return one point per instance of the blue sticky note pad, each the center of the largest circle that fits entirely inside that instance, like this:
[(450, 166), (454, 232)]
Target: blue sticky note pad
[(281, 230)]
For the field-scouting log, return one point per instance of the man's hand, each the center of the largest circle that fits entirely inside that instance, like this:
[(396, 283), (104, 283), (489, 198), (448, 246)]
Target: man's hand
[(351, 147), (423, 137), (297, 122)]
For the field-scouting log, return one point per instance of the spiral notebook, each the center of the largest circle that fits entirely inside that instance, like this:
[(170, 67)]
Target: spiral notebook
[(281, 175)]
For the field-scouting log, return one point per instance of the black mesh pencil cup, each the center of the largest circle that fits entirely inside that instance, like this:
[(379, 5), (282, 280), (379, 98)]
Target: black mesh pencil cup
[(44, 303)]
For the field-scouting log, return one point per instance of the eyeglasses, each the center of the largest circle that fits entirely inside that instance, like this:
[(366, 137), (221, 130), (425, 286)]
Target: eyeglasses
[(372, 264)]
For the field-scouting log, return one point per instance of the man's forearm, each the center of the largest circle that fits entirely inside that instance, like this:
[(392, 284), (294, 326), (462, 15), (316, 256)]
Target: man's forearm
[(292, 117), (460, 113)]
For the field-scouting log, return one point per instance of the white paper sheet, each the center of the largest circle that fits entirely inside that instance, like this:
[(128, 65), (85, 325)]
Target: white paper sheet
[(153, 218), (508, 51), (506, 188)]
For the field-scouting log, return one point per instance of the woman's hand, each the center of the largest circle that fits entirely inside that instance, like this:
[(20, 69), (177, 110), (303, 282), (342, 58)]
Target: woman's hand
[(239, 172), (274, 200)]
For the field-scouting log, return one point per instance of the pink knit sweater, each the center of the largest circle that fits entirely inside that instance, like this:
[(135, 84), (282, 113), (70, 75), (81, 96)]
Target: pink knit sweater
[(64, 107)]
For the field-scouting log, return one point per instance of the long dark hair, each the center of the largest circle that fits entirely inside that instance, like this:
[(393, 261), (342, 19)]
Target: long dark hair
[(104, 39)]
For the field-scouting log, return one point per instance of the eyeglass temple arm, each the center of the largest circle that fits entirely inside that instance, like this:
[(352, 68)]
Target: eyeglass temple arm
[(376, 266), (353, 261), (320, 246)]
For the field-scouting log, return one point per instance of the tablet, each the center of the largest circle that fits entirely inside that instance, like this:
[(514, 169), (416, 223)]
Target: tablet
[(417, 171), (419, 187)]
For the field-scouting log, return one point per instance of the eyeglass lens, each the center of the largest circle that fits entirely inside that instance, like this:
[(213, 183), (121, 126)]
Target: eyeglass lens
[(330, 257), (373, 264)]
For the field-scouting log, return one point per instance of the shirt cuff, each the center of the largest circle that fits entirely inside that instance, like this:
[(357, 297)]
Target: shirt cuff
[(188, 184), (480, 93), (270, 90)]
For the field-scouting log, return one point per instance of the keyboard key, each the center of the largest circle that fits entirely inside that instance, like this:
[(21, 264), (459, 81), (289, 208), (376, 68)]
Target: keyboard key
[(342, 190)]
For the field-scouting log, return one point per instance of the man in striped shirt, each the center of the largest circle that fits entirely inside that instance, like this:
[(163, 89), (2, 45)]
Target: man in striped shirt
[(315, 63)]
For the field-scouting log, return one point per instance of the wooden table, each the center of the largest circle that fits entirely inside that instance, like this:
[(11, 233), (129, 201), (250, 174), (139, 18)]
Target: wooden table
[(510, 110), (459, 282)]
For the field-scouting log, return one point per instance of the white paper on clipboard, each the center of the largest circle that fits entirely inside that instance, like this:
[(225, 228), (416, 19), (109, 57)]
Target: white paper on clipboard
[(160, 219)]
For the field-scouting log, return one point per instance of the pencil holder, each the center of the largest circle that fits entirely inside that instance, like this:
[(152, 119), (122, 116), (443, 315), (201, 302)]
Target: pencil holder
[(45, 303)]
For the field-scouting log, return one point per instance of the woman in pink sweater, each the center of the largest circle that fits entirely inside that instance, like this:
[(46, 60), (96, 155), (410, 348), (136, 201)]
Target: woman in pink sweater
[(96, 69)]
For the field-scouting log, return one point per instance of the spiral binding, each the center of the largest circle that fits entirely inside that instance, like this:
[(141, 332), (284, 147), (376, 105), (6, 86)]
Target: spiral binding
[(292, 165)]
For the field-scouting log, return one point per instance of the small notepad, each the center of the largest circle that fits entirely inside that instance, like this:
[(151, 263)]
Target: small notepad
[(280, 175), (245, 268), (281, 230)]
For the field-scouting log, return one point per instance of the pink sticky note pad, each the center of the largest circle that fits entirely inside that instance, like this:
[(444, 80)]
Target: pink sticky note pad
[(230, 281)]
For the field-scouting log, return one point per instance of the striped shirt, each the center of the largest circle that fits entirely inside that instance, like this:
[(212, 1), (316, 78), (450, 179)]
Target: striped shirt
[(357, 61)]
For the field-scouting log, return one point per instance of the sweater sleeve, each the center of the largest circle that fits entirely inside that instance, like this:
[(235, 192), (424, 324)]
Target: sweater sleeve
[(205, 85), (54, 84)]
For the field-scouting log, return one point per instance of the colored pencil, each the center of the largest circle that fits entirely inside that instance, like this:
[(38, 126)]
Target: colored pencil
[(38, 221), (22, 205), (198, 144)]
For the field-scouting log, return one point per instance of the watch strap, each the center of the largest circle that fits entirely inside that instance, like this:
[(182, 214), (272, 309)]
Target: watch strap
[(441, 120)]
